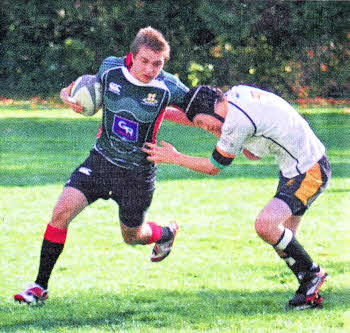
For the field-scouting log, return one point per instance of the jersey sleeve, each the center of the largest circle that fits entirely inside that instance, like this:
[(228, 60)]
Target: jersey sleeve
[(108, 63), (178, 95), (176, 88), (236, 129)]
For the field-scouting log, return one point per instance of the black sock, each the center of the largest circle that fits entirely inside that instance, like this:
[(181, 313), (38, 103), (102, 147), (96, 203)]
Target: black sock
[(166, 235), (294, 268), (48, 257), (299, 260), (290, 263)]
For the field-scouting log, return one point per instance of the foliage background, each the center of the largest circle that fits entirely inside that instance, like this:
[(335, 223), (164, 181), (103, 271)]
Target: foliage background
[(299, 49)]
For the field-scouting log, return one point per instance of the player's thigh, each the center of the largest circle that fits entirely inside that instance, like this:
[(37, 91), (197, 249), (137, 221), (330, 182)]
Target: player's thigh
[(133, 208), (69, 205), (274, 213), (132, 214), (301, 191), (92, 178), (134, 196)]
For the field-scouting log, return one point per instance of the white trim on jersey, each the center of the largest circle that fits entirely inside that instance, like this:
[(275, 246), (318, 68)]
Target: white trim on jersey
[(110, 69), (154, 83)]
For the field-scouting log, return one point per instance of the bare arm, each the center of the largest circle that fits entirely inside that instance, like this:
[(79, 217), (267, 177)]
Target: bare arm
[(176, 115), (166, 153)]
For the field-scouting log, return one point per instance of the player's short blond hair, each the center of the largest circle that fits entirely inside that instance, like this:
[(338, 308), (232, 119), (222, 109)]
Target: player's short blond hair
[(153, 39)]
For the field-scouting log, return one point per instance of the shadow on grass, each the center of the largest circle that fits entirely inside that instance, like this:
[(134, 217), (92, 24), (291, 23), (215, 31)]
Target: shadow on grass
[(153, 309), (39, 151)]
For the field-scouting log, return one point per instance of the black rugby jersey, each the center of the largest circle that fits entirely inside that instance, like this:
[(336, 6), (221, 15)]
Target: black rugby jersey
[(132, 111)]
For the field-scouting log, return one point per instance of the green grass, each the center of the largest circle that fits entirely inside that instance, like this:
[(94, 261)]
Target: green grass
[(220, 276)]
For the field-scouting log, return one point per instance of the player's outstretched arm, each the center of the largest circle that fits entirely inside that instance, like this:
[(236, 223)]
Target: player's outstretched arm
[(166, 153), (176, 115), (67, 100)]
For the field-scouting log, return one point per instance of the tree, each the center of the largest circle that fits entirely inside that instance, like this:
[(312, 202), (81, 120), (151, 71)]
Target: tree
[(291, 47)]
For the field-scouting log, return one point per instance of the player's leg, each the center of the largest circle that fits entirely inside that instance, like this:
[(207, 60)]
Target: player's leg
[(71, 202), (291, 223), (270, 227), (149, 233), (146, 233), (136, 231), (134, 201), (295, 195), (77, 194), (269, 223), (69, 205)]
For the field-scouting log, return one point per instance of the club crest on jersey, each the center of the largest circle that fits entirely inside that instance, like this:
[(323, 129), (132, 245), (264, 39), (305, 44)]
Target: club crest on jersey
[(150, 100), (114, 87), (126, 129)]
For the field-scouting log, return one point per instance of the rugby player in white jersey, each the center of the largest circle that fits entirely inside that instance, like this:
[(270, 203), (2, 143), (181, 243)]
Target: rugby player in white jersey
[(256, 123)]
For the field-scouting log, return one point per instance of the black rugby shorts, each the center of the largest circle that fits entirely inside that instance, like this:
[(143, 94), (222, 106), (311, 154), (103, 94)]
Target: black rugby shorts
[(132, 189), (301, 191)]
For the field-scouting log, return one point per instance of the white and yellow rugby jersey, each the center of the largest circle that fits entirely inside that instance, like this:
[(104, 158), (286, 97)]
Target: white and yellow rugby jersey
[(263, 123)]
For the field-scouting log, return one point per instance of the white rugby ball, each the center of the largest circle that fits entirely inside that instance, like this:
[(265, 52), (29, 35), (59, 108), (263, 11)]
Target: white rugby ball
[(88, 92)]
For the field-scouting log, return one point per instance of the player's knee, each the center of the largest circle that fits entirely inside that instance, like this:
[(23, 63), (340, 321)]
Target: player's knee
[(130, 238), (131, 225), (262, 227), (61, 216)]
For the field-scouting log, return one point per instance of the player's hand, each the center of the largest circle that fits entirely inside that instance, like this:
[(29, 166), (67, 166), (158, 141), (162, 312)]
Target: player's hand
[(249, 155), (68, 100), (165, 153)]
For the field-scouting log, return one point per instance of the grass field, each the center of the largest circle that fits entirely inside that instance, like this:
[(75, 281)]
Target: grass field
[(220, 276)]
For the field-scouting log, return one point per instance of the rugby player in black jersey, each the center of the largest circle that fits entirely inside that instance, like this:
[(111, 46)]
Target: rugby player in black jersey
[(136, 92)]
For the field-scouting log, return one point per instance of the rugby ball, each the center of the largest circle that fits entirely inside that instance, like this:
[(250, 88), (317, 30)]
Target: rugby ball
[(88, 92)]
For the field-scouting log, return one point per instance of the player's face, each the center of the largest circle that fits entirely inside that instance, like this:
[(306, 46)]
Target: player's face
[(208, 123), (147, 64)]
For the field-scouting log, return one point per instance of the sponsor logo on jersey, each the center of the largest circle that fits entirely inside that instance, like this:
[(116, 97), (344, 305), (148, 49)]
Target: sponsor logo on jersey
[(150, 100), (126, 129), (114, 87)]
